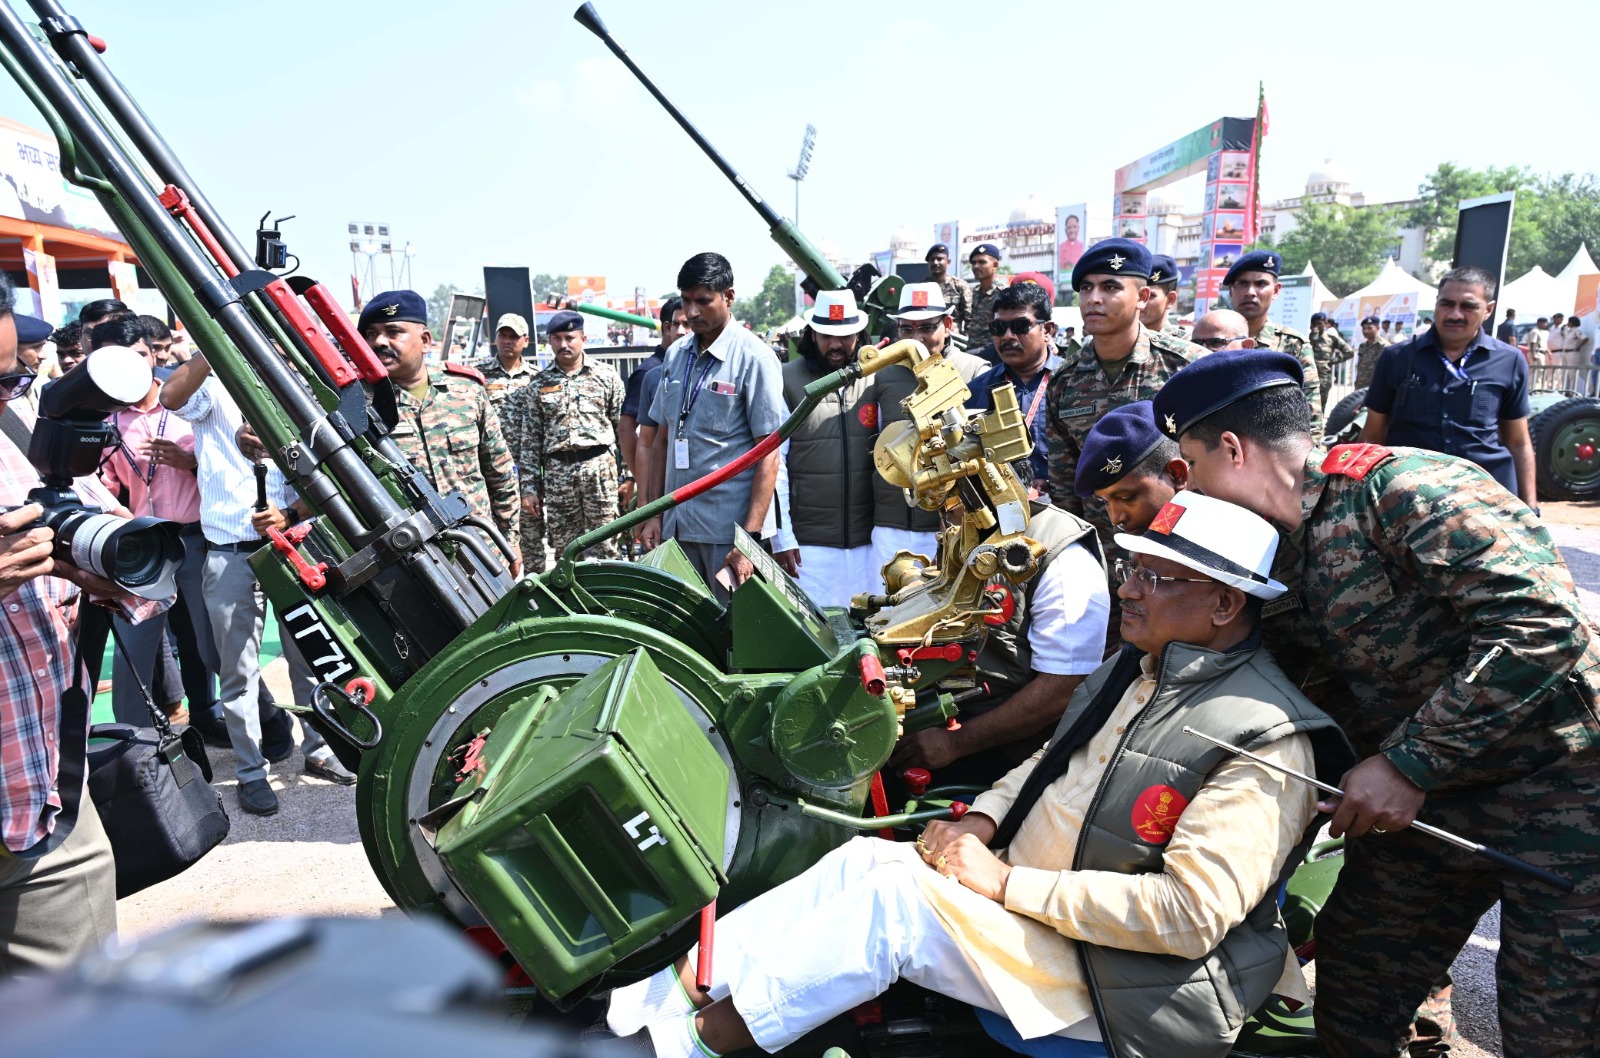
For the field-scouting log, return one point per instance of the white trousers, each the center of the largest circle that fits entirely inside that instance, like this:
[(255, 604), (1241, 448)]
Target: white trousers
[(886, 542), (830, 575), (834, 938)]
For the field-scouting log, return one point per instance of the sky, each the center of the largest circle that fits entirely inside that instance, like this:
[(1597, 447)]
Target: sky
[(503, 133)]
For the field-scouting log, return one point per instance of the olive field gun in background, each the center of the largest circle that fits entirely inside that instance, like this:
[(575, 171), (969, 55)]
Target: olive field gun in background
[(879, 300), (618, 316)]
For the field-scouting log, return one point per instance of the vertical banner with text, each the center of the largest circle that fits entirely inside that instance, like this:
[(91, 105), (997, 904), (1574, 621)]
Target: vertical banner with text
[(43, 285)]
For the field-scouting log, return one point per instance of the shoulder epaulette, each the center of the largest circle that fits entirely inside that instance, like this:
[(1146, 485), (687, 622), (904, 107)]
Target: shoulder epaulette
[(455, 367), (1354, 461)]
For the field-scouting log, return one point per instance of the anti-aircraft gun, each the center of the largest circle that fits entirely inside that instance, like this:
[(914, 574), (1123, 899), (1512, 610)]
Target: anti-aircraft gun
[(580, 762)]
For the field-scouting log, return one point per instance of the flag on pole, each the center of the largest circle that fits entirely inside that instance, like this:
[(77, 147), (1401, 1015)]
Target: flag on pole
[(1253, 217)]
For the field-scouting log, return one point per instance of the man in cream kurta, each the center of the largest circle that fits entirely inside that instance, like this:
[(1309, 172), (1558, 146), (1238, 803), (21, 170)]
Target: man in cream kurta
[(998, 932)]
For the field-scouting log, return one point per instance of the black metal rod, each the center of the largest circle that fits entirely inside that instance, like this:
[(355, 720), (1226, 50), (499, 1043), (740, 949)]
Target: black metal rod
[(589, 19)]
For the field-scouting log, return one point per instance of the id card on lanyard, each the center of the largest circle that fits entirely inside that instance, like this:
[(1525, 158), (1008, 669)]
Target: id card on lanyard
[(149, 472), (680, 443)]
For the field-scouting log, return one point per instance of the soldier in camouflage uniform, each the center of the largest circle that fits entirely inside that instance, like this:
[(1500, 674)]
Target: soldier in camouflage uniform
[(1471, 678), (1367, 353), (504, 374), (447, 427), (985, 261), (1252, 283), (1328, 347), (957, 294), (1121, 362), (567, 435), (1156, 315)]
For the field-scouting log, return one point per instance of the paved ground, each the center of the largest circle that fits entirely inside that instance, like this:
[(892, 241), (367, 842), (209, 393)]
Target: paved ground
[(308, 858)]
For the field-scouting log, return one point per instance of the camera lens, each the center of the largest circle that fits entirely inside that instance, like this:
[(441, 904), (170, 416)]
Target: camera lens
[(139, 555)]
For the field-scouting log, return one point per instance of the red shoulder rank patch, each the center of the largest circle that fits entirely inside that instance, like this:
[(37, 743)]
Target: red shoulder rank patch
[(454, 368), (1156, 812), (1167, 518), (1354, 461)]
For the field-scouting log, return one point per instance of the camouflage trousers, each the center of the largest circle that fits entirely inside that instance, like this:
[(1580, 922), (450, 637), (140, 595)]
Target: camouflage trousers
[(579, 497), (1325, 370), (532, 542), (1405, 904)]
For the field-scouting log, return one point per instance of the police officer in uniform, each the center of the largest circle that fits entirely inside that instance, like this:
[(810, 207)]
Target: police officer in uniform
[(1252, 283), (567, 433), (447, 428), (506, 373), (1473, 676)]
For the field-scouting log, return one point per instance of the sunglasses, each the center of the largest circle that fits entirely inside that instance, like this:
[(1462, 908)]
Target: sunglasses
[(1019, 326), (1216, 343), (15, 384)]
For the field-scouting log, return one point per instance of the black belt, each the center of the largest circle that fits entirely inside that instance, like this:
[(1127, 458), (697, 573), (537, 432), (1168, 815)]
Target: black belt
[(189, 529), (579, 455), (245, 546)]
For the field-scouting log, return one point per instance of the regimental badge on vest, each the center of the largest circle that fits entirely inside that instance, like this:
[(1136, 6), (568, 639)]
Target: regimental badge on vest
[(1156, 812), (1354, 461)]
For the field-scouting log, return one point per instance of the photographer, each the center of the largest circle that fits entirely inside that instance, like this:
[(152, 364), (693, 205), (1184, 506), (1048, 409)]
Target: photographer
[(57, 905)]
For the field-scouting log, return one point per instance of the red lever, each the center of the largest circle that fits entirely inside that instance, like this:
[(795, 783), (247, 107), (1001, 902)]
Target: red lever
[(287, 543), (708, 935), (299, 321), (880, 804), (917, 780), (363, 688), (97, 43), (368, 366), (872, 677)]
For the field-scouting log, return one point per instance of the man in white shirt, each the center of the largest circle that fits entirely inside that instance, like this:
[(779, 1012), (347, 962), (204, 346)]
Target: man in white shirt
[(237, 607)]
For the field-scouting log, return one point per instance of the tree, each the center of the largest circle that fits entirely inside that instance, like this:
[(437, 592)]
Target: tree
[(439, 308), (1551, 220), (549, 289), (1348, 244), (1439, 201), (773, 306)]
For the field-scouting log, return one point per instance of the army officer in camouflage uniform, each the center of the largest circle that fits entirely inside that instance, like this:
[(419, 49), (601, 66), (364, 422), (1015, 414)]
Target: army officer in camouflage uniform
[(506, 373), (566, 428), (1252, 285), (447, 427), (1473, 676), (1328, 348)]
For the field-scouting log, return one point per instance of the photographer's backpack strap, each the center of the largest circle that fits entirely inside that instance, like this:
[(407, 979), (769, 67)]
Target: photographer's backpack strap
[(72, 766), (12, 426)]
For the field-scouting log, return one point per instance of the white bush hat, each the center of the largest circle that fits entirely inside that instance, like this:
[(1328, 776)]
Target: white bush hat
[(836, 313), (1222, 540), (921, 301)]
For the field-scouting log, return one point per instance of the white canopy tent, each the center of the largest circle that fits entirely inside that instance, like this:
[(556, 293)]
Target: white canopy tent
[(1393, 281), (1538, 293), (1580, 265), (1320, 294)]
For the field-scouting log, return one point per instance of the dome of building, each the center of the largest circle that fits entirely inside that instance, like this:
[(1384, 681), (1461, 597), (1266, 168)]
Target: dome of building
[(1330, 176), (1028, 211), (904, 239)]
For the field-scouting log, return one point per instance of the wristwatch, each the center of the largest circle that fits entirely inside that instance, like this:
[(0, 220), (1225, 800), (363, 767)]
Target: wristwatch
[(291, 516)]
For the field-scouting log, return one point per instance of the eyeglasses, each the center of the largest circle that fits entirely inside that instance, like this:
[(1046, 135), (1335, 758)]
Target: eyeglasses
[(16, 384), (922, 327), (1019, 326), (1216, 343), (1149, 580)]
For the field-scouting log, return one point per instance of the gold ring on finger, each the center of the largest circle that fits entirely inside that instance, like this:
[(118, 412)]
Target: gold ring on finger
[(941, 864)]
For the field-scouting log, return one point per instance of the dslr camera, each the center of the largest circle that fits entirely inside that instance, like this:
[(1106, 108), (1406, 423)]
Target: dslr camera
[(140, 555)]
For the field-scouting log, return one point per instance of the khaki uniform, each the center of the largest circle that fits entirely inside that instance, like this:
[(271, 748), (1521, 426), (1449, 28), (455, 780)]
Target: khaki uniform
[(502, 384), (958, 299), (567, 433), (981, 313), (453, 437), (1328, 347), (1367, 354)]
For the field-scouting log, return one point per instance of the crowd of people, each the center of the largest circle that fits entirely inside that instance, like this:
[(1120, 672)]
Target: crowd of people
[(1395, 620)]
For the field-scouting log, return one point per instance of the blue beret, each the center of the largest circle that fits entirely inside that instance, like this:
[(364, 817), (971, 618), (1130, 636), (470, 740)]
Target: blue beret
[(988, 248), (394, 306), (1319, 317), (937, 247), (1117, 443), (1112, 257), (1374, 320), (1163, 269), (1255, 261), (1218, 379), (31, 329), (565, 320)]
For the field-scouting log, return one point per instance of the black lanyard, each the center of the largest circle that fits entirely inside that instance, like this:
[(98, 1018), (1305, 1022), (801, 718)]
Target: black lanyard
[(150, 470), (694, 391)]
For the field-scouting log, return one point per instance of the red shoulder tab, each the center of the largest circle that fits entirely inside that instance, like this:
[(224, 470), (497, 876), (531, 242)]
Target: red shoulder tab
[(465, 371), (1354, 461)]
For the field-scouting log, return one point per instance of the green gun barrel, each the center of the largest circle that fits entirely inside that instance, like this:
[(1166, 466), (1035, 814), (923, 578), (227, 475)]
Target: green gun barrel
[(620, 316)]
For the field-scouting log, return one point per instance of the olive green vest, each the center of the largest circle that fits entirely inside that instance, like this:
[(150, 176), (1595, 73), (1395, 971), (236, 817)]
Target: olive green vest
[(1006, 662), (894, 385), (830, 461), (1156, 1006)]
